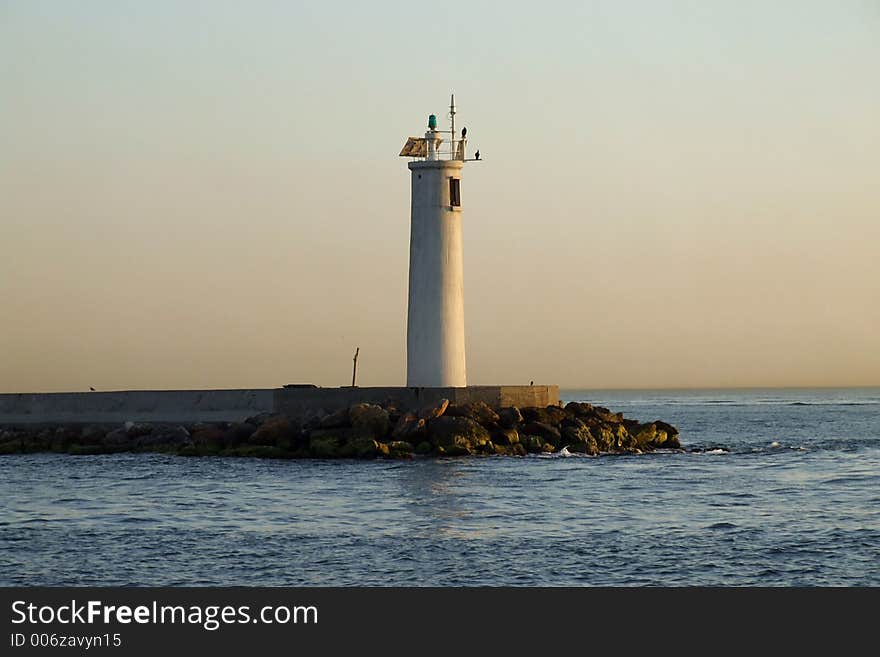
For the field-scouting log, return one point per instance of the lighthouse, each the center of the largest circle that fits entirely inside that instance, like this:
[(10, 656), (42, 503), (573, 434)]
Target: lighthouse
[(435, 346)]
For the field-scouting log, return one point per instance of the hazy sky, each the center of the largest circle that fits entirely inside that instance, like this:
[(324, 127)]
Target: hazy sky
[(208, 194)]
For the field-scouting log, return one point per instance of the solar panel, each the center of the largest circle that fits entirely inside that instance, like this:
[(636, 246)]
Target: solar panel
[(415, 147)]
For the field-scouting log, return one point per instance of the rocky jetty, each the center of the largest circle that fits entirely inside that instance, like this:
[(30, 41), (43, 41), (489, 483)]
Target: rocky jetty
[(366, 431)]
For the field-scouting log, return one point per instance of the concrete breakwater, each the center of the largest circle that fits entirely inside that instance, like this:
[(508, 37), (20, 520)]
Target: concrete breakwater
[(300, 402), (362, 430), (135, 405)]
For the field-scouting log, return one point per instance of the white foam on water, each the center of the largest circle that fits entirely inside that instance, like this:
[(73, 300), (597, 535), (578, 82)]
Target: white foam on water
[(561, 454)]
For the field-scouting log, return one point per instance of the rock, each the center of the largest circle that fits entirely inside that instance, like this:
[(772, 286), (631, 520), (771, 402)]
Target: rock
[(532, 444), (578, 437), (479, 412), (435, 410), (36, 440), (394, 409), (344, 434), (611, 418), (206, 435), (400, 449), (274, 431), (667, 435), (461, 433), (16, 442), (579, 409), (573, 423), (505, 436), (64, 437), (335, 420), (138, 429), (623, 441), (10, 445), (365, 448), (313, 420), (487, 448), (455, 450), (548, 433), (239, 432), (509, 417), (409, 427), (369, 420), (117, 438), (424, 447), (324, 447), (547, 415), (92, 435), (665, 426), (583, 448), (644, 435), (258, 419), (536, 445), (152, 442), (588, 411), (346, 450), (631, 425), (605, 439), (165, 435)]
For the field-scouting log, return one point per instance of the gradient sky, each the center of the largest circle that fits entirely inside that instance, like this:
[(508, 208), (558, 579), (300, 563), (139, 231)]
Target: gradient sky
[(208, 194)]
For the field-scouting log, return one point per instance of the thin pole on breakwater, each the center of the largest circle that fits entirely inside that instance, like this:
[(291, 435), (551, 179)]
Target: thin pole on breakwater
[(354, 371)]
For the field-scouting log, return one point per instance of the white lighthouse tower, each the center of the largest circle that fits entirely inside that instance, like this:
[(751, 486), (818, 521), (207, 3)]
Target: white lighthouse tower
[(435, 353)]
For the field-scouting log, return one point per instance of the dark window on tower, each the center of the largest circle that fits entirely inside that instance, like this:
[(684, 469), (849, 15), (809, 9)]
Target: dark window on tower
[(454, 192)]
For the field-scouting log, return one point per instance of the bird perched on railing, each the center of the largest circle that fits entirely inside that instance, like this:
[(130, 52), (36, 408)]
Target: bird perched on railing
[(463, 133), (477, 155)]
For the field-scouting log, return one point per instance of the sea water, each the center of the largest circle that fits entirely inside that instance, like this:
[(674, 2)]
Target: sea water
[(775, 488)]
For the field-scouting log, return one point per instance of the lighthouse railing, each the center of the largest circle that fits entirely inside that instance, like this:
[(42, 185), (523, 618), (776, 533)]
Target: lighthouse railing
[(453, 149), (450, 149), (417, 148)]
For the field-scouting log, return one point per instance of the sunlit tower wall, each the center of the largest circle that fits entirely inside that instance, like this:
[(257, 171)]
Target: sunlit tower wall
[(435, 342)]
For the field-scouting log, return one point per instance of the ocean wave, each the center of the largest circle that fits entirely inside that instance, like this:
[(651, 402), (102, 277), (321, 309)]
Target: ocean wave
[(722, 525), (562, 454), (709, 450), (613, 402)]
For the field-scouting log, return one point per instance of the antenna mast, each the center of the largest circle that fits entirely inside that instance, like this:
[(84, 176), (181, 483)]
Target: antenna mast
[(452, 118)]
